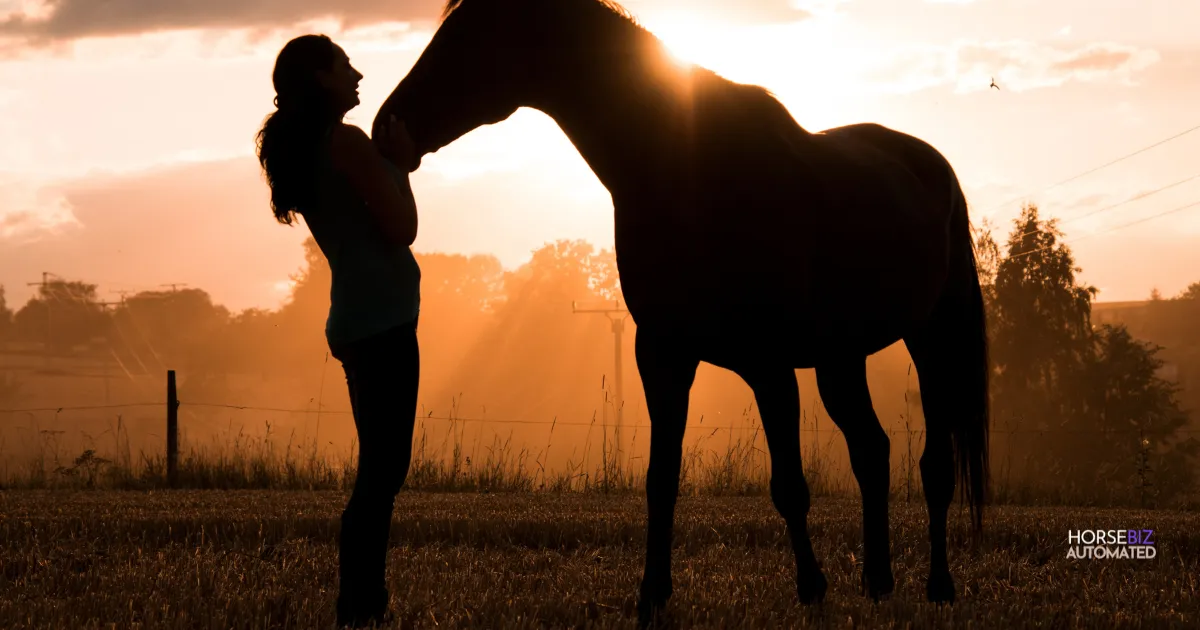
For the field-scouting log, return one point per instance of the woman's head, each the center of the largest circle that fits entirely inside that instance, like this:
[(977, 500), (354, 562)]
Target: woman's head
[(313, 72), (315, 86)]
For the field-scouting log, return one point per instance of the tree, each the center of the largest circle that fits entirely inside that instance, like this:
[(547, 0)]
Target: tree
[(6, 316), (169, 329), (9, 385), (295, 337), (1039, 325), (1076, 398), (535, 358), (248, 342), (62, 315), (457, 294), (467, 284), (987, 258), (1192, 292), (309, 297), (1127, 396)]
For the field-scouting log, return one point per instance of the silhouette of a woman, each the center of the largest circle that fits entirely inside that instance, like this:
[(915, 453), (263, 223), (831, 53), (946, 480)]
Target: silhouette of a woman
[(360, 210)]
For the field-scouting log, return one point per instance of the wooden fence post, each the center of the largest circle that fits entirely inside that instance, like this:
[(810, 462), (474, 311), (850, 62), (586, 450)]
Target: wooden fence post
[(172, 430)]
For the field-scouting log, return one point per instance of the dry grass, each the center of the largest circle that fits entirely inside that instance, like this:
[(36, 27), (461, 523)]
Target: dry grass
[(257, 559), (716, 463)]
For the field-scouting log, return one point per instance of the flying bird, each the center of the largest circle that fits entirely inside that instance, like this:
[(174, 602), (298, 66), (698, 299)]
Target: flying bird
[(994, 83)]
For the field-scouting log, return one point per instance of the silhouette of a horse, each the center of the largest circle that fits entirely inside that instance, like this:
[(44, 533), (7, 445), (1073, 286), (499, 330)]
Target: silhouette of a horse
[(802, 250)]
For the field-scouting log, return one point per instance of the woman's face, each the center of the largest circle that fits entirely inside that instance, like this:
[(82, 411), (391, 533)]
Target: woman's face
[(341, 81)]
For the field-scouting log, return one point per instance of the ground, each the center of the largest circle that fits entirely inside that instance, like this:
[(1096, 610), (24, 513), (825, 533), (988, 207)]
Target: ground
[(257, 559)]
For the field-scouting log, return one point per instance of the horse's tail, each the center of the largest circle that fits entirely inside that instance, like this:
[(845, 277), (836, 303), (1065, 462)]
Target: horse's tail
[(951, 354), (970, 432)]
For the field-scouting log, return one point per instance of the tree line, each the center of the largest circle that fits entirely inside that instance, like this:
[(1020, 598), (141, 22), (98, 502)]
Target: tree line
[(1071, 400)]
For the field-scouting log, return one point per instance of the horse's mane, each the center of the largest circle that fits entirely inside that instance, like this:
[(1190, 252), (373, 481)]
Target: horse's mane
[(753, 97), (608, 4)]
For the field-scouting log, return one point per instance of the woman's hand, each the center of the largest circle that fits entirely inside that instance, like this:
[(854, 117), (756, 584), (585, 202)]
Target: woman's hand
[(397, 145)]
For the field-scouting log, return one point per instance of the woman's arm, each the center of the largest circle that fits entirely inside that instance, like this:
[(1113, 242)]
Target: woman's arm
[(383, 187)]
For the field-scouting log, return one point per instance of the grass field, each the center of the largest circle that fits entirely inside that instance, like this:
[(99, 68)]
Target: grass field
[(258, 559)]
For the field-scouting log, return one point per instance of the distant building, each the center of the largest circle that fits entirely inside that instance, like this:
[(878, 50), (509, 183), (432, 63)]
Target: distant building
[(1113, 313)]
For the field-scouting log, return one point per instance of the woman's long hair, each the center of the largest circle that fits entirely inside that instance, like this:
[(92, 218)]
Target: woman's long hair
[(289, 140)]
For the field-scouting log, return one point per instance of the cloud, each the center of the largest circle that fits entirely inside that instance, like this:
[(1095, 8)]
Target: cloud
[(1017, 66), (1094, 58), (208, 224), (743, 13), (51, 21), (29, 210), (46, 22)]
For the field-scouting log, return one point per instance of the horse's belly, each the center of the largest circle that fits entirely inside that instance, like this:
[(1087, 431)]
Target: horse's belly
[(810, 293), (843, 269)]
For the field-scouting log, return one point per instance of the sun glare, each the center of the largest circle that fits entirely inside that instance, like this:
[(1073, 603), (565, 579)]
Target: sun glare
[(794, 60), (685, 35), (744, 53)]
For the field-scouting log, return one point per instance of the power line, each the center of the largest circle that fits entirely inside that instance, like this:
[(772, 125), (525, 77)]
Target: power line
[(1089, 171), (1113, 229), (700, 425), (1137, 197), (1132, 199), (556, 422), (1143, 219), (82, 407)]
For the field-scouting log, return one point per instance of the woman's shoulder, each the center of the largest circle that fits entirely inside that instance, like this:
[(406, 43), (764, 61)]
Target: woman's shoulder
[(347, 131), (349, 144)]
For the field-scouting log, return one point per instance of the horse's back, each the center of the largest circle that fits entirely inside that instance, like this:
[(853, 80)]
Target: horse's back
[(882, 174), (785, 231), (871, 216)]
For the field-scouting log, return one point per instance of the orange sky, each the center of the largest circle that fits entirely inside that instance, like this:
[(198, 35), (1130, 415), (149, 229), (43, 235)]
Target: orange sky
[(127, 130)]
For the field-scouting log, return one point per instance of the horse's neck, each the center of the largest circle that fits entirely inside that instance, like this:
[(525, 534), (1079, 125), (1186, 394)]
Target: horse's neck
[(622, 128)]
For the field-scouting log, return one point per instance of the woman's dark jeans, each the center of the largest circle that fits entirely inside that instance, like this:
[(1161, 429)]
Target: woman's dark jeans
[(382, 373)]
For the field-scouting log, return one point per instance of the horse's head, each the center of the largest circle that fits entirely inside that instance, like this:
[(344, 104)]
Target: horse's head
[(477, 70)]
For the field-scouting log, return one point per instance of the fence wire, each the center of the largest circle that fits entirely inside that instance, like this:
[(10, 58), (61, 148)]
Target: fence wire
[(555, 422)]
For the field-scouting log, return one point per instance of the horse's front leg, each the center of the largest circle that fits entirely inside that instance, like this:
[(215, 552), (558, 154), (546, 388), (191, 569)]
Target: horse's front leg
[(778, 398), (843, 388), (668, 371)]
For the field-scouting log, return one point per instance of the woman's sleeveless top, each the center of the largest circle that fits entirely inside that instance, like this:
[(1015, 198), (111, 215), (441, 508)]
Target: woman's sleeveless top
[(376, 285)]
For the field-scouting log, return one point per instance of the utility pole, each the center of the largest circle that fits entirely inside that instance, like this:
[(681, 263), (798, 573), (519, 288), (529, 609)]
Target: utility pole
[(174, 285), (616, 313)]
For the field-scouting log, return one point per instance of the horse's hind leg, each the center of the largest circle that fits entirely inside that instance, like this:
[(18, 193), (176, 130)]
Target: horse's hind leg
[(935, 371), (667, 375), (844, 391), (778, 400)]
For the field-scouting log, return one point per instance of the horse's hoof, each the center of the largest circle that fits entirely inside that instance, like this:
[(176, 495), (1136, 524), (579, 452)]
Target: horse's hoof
[(650, 610), (811, 590), (879, 585), (940, 588), (652, 599)]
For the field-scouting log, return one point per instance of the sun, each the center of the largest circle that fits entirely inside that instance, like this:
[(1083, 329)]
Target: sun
[(740, 52), (687, 35), (795, 60)]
